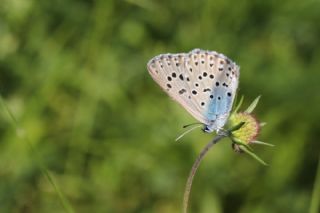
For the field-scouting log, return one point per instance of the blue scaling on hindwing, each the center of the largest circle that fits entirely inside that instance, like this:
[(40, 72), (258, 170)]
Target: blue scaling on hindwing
[(219, 106)]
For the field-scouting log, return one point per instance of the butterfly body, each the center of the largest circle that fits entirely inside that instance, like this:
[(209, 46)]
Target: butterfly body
[(203, 82)]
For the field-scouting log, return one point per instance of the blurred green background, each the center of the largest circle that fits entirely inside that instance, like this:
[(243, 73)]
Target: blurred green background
[(73, 72)]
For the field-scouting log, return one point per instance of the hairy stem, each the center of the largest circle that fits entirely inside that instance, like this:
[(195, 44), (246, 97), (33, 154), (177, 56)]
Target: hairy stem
[(194, 169)]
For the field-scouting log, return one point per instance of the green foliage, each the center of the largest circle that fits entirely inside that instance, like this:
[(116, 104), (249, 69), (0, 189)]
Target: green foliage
[(74, 75)]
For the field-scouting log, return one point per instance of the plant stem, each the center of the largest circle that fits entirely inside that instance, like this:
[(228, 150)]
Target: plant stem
[(194, 169)]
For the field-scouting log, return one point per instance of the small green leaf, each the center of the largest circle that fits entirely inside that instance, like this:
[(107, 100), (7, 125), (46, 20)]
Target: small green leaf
[(238, 105), (253, 105), (243, 148), (262, 124), (240, 143), (237, 127), (262, 143)]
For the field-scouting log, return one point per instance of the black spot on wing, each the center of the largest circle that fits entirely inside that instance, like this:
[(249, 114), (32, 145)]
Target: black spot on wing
[(182, 91)]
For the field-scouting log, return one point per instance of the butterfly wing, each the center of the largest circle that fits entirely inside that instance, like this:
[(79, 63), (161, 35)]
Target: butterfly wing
[(169, 71), (223, 81), (203, 82)]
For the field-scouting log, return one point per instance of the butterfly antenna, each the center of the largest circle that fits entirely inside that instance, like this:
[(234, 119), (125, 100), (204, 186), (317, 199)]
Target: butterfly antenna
[(186, 132), (185, 126)]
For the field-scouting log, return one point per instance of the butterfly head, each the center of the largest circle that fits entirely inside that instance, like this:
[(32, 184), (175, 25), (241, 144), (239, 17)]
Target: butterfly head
[(206, 129)]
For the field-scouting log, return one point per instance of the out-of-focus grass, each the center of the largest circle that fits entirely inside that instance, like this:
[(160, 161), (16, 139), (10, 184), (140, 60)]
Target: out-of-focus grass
[(315, 199), (22, 135), (73, 73)]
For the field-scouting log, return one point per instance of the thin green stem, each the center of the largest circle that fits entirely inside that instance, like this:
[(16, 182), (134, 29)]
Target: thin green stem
[(196, 164), (22, 135), (194, 169)]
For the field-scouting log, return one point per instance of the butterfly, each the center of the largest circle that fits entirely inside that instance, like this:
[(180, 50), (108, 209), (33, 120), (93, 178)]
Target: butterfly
[(203, 82)]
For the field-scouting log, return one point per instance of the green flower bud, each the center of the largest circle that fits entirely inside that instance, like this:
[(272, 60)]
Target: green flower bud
[(249, 131)]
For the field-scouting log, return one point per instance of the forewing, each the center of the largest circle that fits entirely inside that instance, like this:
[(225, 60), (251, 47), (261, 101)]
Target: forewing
[(169, 71)]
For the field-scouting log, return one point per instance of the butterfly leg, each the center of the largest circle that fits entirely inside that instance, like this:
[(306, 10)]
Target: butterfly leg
[(221, 131)]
